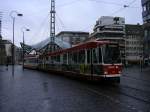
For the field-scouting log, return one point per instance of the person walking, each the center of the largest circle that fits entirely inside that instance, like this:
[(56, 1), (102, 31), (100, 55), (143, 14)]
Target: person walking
[(7, 64)]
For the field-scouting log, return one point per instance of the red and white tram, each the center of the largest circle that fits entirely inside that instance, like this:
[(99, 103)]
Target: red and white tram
[(92, 60)]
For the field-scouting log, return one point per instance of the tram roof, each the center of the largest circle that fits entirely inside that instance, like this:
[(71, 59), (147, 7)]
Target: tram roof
[(89, 44), (82, 46)]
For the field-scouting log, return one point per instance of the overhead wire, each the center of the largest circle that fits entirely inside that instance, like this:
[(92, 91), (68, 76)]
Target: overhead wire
[(40, 28), (111, 3), (124, 7), (60, 20), (57, 26), (106, 2), (119, 10), (68, 3), (74, 1), (45, 30), (132, 2), (99, 1)]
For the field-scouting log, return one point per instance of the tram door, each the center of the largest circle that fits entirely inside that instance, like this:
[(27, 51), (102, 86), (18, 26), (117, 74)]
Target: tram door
[(91, 61)]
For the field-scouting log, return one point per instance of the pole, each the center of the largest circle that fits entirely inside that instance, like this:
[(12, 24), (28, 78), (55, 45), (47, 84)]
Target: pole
[(0, 25), (52, 25), (23, 29), (13, 49), (23, 50), (13, 45)]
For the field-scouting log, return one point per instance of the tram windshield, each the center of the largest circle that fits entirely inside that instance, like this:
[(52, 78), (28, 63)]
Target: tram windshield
[(111, 54)]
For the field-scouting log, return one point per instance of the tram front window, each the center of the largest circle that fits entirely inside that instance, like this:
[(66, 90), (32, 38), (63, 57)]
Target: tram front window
[(111, 54)]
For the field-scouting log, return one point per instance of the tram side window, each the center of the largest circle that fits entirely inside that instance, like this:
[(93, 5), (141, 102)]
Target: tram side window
[(75, 57), (49, 59), (81, 56), (100, 55), (64, 58), (46, 58), (95, 56), (88, 56), (26, 60), (58, 58), (33, 60), (70, 58), (52, 59)]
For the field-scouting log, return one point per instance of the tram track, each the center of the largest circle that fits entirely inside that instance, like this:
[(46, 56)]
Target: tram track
[(112, 92), (132, 83), (112, 95), (131, 107), (134, 78), (133, 88), (124, 95), (125, 91)]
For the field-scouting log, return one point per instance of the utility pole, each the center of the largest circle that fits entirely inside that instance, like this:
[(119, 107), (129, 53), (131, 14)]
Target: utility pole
[(0, 25), (1, 60), (13, 17), (52, 25), (23, 29)]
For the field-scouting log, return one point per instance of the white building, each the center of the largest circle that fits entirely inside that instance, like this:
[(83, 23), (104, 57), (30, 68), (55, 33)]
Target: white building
[(134, 43), (112, 29), (73, 37), (109, 20)]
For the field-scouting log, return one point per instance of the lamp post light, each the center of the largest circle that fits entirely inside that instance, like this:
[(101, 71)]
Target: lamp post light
[(23, 29), (13, 14)]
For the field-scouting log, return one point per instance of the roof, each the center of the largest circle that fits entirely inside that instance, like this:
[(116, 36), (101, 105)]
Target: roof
[(87, 45), (45, 42), (72, 32)]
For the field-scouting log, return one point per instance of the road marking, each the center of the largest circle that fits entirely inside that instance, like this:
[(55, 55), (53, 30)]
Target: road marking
[(114, 100)]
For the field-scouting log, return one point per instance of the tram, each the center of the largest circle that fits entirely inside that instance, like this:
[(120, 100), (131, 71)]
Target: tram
[(93, 60), (31, 61)]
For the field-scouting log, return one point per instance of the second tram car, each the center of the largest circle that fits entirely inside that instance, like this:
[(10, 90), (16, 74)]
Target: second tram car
[(92, 60)]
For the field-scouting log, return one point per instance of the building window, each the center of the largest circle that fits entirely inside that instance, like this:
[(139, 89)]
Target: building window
[(144, 8), (148, 6)]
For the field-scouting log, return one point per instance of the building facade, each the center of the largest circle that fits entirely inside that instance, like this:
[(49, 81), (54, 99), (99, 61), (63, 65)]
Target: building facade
[(134, 36), (5, 52), (112, 29), (146, 25), (73, 37), (2, 53)]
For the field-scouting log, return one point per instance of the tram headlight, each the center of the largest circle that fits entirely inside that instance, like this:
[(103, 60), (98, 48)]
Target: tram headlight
[(105, 72), (116, 66)]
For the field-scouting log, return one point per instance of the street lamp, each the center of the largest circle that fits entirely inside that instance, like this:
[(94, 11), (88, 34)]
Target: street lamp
[(13, 14), (23, 29)]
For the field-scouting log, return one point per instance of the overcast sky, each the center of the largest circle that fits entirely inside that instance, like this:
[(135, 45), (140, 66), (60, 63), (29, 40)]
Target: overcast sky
[(72, 15)]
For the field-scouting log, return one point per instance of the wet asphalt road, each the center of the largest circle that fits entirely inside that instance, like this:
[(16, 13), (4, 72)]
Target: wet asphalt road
[(33, 91)]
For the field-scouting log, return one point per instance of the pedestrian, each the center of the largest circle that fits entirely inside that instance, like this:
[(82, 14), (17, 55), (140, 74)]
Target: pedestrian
[(7, 65)]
